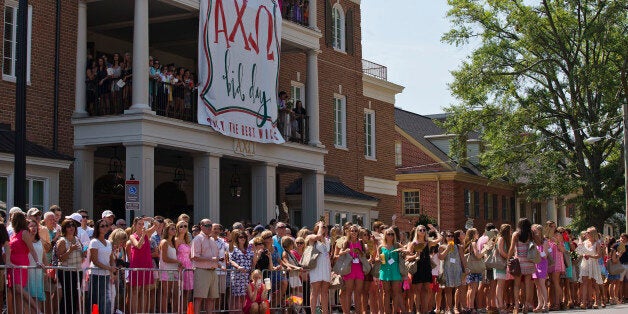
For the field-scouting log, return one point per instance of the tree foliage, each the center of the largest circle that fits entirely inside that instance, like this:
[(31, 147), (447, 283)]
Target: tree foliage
[(543, 77)]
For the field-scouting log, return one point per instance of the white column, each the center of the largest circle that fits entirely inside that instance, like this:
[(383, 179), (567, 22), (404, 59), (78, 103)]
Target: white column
[(207, 187), (81, 61), (312, 197), (84, 179), (311, 97), (140, 58), (263, 198), (313, 15), (140, 162)]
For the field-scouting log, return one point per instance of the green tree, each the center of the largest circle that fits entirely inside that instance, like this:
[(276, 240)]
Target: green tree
[(543, 77)]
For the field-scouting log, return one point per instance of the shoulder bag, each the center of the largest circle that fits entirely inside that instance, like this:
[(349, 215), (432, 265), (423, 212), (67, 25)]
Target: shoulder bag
[(495, 260), (366, 266), (343, 265), (474, 264), (310, 254), (533, 253), (514, 268), (614, 268)]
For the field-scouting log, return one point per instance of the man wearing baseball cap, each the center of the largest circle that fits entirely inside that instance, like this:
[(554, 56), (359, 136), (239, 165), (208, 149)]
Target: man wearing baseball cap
[(110, 217), (80, 232)]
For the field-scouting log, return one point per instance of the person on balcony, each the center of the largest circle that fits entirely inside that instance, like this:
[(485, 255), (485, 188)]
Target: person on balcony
[(154, 77), (115, 73), (297, 123), (104, 87), (284, 115)]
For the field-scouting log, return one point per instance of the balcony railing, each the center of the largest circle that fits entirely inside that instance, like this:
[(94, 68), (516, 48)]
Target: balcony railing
[(169, 100), (176, 101), (296, 11), (375, 70)]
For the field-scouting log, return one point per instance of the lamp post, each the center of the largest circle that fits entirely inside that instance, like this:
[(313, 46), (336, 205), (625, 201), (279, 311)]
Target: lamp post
[(595, 139)]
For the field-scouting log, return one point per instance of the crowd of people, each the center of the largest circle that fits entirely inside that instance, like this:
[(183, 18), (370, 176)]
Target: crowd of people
[(159, 265), (172, 89)]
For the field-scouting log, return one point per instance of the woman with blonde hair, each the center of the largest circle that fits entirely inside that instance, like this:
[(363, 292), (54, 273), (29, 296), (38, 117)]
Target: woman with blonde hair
[(470, 247), (540, 275), (502, 245), (390, 254), (419, 251), (119, 239), (320, 275), (590, 271), (169, 269), (182, 243)]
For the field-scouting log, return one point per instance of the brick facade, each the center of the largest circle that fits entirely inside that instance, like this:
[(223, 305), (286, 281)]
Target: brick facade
[(40, 92)]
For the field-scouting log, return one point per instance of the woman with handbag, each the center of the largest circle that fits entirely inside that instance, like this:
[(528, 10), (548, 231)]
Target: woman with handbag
[(70, 252), (540, 275), (613, 280), (390, 255), (320, 275), (499, 273), (419, 251), (590, 272), (371, 287), (354, 280), (452, 264), (475, 277), (519, 246)]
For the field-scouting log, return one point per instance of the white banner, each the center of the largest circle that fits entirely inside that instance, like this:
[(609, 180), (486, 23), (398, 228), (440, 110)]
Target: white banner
[(239, 46)]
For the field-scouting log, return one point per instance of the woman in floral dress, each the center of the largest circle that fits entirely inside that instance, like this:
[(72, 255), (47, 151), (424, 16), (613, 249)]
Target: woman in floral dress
[(241, 259)]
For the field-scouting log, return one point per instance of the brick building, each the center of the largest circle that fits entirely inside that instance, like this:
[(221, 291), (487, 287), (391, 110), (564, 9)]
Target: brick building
[(432, 183), (340, 165), (48, 168)]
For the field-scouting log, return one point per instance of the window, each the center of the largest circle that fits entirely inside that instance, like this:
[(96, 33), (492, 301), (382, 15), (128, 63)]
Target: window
[(9, 43), (296, 92), (341, 218), (398, 160), (338, 29), (476, 204), (467, 203), (411, 202), (358, 220), (35, 194), (512, 209), (340, 122), (4, 191), (488, 205), (495, 206), (505, 208), (369, 133)]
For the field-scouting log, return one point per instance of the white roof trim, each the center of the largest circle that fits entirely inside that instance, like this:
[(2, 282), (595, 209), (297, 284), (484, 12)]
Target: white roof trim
[(38, 161)]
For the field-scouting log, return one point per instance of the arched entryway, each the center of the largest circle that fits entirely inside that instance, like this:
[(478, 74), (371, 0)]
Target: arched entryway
[(170, 201), (109, 195)]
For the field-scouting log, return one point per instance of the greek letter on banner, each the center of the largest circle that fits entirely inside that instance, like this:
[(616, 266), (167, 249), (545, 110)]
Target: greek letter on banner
[(239, 46)]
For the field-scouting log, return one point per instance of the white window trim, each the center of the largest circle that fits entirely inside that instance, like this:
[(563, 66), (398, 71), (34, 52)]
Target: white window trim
[(13, 78), (300, 86), (373, 155), (403, 202), (29, 179), (342, 30), (343, 103), (400, 155)]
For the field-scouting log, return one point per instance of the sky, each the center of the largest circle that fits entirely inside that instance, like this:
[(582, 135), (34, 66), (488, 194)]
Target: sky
[(405, 36)]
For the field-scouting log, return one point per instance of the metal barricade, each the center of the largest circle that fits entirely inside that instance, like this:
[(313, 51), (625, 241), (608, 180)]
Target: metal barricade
[(33, 289)]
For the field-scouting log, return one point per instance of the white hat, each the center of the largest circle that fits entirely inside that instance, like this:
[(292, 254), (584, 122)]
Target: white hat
[(75, 216), (107, 213), (15, 210)]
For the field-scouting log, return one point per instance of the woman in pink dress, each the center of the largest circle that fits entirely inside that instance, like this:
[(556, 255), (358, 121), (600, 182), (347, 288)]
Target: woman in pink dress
[(20, 244), (141, 280), (182, 243)]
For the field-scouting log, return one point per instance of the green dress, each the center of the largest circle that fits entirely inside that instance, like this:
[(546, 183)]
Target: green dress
[(388, 271)]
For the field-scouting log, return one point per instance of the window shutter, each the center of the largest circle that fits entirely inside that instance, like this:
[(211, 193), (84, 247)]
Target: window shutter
[(349, 31), (329, 23)]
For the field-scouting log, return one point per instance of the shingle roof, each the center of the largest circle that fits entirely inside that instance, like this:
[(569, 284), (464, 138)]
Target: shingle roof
[(333, 186), (7, 145), (419, 126)]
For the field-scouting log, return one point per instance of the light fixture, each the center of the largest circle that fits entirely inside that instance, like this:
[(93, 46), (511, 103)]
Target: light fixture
[(115, 170), (235, 187), (179, 174)]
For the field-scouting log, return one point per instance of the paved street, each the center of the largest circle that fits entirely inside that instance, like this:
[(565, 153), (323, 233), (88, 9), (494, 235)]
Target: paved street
[(621, 308)]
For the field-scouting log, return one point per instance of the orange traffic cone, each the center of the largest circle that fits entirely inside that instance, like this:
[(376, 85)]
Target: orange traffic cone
[(190, 308), (95, 309)]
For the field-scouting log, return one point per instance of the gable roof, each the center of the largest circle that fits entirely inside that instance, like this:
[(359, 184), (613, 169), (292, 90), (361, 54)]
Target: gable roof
[(7, 145), (333, 186), (418, 126)]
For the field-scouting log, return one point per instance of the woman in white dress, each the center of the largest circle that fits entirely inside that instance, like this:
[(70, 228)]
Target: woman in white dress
[(320, 276), (590, 270)]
